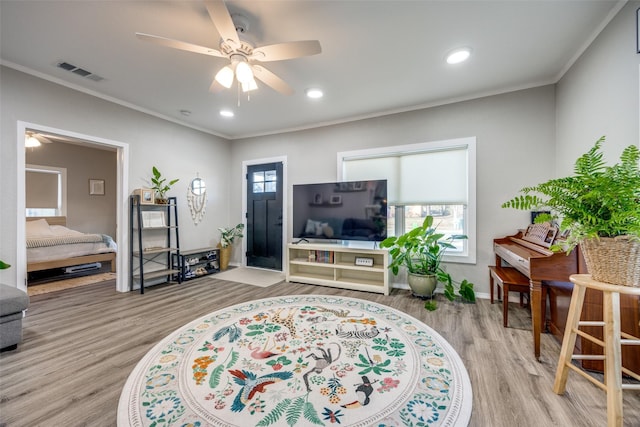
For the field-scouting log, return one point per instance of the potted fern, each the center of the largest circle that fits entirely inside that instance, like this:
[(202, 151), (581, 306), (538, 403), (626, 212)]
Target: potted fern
[(598, 208), (420, 251)]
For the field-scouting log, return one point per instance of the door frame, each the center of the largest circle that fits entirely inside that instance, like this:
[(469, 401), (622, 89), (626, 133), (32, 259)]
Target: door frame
[(122, 184), (285, 201)]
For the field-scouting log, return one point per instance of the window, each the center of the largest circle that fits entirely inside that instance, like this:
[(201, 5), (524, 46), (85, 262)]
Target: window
[(45, 191), (436, 178), (265, 181)]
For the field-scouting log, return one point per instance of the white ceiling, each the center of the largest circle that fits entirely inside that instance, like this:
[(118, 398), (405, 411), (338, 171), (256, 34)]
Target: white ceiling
[(378, 57)]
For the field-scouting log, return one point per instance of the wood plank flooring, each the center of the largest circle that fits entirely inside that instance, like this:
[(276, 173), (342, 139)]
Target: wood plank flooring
[(81, 344)]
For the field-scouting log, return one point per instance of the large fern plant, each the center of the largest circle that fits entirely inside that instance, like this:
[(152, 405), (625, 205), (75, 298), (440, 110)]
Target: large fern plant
[(598, 201)]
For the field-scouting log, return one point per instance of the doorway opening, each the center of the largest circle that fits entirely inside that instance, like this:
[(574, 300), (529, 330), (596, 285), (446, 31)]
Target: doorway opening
[(122, 167)]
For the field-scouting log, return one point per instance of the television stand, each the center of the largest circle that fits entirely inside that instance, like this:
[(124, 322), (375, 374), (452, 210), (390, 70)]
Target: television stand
[(335, 266)]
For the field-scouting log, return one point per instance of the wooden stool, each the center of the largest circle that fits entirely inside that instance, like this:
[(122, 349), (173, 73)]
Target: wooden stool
[(509, 280), (613, 340)]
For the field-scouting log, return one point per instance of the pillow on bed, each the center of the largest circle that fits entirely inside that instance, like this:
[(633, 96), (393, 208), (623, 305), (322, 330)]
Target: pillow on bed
[(61, 230), (38, 228)]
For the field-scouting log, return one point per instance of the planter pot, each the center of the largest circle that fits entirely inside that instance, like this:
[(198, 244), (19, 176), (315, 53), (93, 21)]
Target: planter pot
[(160, 201), (422, 286), (225, 255), (614, 260)]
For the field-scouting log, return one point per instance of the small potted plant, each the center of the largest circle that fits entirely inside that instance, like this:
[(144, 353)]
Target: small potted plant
[(227, 237), (420, 251), (161, 186), (598, 209)]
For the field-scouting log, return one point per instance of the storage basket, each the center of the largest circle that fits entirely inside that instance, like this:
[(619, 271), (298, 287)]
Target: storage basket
[(614, 260)]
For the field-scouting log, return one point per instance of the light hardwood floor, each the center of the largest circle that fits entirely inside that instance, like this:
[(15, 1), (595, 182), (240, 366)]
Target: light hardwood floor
[(81, 344)]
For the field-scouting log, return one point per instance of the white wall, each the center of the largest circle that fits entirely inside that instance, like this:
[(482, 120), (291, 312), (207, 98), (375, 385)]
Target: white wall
[(515, 143), (599, 95), (179, 152)]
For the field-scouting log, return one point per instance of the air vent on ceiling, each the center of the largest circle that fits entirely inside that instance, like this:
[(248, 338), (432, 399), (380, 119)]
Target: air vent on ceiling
[(80, 71)]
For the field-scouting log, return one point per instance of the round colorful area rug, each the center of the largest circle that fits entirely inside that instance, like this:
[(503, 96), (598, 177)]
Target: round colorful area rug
[(299, 360)]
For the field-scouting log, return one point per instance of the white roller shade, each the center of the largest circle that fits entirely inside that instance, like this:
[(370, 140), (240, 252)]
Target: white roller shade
[(375, 168), (427, 177)]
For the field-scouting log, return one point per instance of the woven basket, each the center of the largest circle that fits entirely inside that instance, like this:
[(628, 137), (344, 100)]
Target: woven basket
[(614, 260)]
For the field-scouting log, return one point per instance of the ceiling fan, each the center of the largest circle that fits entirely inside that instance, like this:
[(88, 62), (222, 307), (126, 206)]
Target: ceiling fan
[(241, 54), (34, 139)]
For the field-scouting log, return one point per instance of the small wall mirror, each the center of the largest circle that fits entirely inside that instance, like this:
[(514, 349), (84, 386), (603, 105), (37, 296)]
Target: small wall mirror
[(198, 187), (197, 198)]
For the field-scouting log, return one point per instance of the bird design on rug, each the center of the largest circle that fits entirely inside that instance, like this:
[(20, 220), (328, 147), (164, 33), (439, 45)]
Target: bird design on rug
[(251, 384), (264, 352), (363, 391), (232, 331)]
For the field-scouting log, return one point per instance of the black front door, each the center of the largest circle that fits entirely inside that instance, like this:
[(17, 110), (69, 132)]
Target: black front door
[(264, 216)]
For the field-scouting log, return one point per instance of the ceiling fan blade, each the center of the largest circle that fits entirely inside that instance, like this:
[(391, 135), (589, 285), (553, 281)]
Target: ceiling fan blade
[(290, 50), (222, 21), (177, 44), (270, 79)]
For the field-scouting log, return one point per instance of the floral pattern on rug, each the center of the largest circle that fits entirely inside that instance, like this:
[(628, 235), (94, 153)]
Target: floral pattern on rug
[(300, 360)]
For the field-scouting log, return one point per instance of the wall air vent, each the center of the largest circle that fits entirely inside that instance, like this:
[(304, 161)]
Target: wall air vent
[(79, 71)]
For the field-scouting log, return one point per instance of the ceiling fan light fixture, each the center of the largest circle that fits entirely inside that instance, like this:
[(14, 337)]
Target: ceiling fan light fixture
[(225, 77), (31, 141), (249, 86), (244, 73), (458, 55)]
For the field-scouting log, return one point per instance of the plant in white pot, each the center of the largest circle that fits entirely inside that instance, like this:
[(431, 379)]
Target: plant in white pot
[(227, 237), (420, 251), (599, 209)]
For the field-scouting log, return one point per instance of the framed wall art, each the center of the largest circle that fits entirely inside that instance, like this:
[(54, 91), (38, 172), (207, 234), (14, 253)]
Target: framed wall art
[(96, 187)]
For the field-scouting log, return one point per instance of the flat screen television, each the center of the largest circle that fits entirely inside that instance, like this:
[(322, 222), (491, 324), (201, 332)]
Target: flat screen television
[(351, 210)]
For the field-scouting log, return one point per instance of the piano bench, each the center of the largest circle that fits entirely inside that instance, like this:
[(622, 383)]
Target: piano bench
[(509, 280)]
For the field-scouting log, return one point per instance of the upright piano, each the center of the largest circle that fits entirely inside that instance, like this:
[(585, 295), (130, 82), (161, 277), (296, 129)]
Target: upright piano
[(536, 261), (548, 274)]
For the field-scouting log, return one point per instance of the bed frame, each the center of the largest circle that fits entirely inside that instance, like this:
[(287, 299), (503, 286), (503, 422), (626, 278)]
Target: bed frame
[(68, 262)]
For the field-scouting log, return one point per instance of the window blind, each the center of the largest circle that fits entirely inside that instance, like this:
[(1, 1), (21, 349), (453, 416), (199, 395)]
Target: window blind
[(41, 189), (416, 178)]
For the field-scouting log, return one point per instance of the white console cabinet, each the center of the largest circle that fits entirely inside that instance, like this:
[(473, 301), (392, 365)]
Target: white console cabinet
[(335, 265)]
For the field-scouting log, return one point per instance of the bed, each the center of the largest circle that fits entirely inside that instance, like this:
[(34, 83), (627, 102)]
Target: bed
[(50, 244)]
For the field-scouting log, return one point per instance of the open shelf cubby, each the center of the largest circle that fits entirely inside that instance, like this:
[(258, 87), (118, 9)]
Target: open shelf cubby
[(335, 265)]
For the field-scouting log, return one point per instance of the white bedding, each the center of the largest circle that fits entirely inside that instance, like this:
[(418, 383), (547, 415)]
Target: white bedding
[(69, 243)]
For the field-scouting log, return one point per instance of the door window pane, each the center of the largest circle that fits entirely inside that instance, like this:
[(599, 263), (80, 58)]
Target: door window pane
[(265, 181)]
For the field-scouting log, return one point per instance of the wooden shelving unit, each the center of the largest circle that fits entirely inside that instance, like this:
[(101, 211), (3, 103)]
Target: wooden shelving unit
[(335, 265)]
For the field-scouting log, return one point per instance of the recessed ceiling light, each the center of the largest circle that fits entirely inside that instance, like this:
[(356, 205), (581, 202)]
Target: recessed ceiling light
[(314, 93), (459, 55), (226, 113)]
